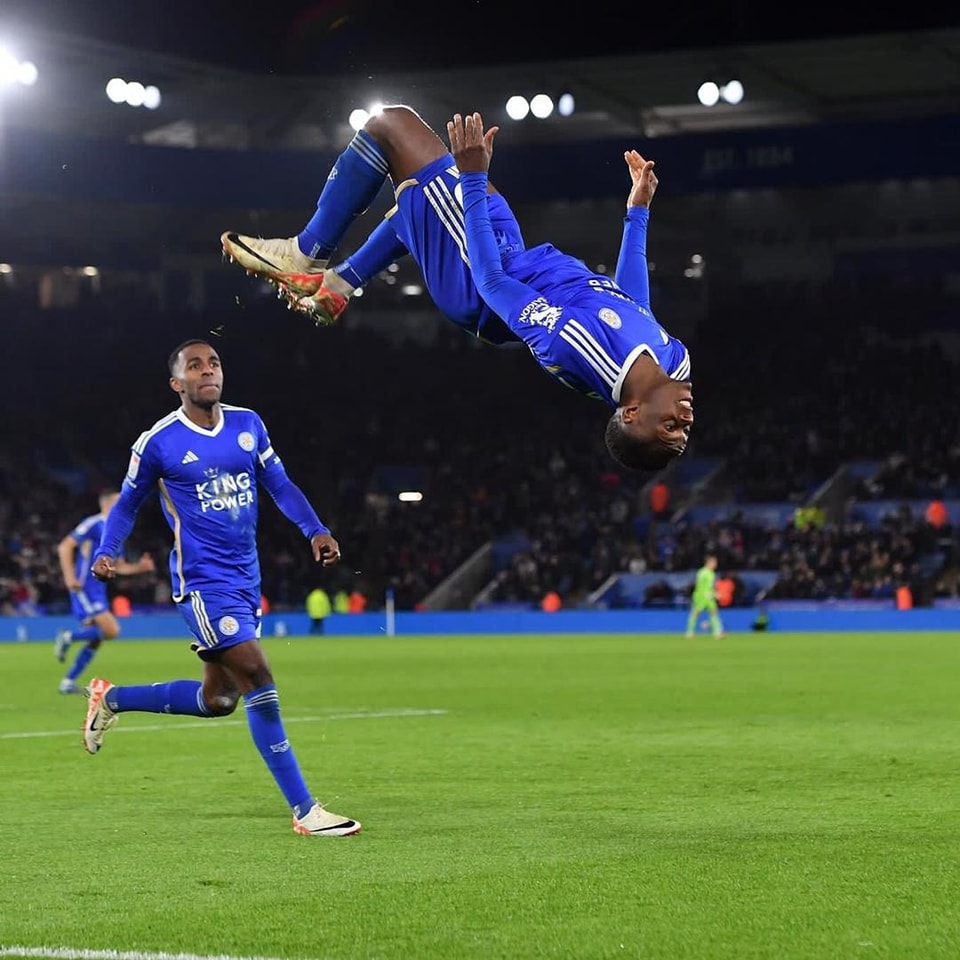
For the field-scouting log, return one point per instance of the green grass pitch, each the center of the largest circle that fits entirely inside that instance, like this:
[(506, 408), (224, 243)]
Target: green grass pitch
[(761, 797)]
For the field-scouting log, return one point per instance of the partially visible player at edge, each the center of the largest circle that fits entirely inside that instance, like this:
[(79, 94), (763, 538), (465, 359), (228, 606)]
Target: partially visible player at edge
[(88, 595), (596, 334), (207, 460)]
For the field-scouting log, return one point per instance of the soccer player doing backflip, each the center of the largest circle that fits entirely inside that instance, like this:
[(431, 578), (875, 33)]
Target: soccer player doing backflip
[(596, 334)]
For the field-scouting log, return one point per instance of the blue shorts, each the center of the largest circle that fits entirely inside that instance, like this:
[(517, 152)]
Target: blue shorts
[(428, 219), (220, 620), (90, 601)]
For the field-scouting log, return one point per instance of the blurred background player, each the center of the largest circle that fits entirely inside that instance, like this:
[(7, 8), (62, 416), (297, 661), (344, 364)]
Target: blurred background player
[(704, 598), (207, 460), (594, 334), (88, 595)]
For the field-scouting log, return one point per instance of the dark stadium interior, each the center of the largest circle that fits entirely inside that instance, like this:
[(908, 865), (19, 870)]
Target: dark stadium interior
[(813, 275)]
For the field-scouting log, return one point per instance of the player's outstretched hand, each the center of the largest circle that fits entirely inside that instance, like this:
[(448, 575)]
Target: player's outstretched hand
[(104, 568), (644, 180), (326, 550), (472, 149)]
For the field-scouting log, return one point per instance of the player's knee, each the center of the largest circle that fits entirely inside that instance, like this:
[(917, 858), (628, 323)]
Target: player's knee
[(392, 122), (111, 632), (222, 703)]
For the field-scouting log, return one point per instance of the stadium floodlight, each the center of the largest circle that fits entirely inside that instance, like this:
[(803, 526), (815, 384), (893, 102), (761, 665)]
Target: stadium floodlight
[(732, 91), (517, 107), (14, 71), (358, 118), (566, 105), (133, 93), (541, 106), (409, 496), (411, 290), (709, 93), (116, 90), (6, 268), (28, 73)]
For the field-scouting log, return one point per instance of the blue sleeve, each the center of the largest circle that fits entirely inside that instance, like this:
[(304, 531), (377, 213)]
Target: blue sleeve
[(286, 494), (505, 296), (142, 475), (631, 275)]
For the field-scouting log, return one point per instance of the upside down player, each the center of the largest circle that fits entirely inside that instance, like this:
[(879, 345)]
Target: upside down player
[(595, 334), (207, 461)]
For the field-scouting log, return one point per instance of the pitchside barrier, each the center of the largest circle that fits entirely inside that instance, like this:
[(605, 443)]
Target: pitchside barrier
[(782, 617)]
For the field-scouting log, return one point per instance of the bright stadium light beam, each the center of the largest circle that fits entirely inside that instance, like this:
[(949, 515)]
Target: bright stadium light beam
[(732, 92), (9, 67), (708, 94), (135, 93), (541, 106), (517, 107), (410, 496), (28, 73), (566, 105), (116, 90), (358, 118), (151, 97)]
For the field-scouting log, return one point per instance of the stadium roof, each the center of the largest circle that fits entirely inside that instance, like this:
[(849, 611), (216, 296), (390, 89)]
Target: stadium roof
[(642, 95)]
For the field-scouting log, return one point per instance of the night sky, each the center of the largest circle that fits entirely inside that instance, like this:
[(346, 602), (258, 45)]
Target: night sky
[(334, 36)]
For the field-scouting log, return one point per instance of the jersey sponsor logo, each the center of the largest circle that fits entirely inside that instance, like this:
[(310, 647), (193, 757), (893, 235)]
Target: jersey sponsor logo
[(190, 457), (610, 317), (228, 626), (225, 493), (539, 313), (246, 441)]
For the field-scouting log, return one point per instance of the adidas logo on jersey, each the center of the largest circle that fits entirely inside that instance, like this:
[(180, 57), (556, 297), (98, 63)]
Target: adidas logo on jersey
[(190, 457)]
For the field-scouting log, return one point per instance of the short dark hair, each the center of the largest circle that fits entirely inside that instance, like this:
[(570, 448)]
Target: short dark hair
[(172, 362), (636, 452)]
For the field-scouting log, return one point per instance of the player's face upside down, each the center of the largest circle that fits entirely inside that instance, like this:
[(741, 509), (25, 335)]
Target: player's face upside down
[(667, 414)]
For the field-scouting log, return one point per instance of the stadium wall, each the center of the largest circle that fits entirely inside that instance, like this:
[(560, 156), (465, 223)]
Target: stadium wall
[(803, 618), (46, 164)]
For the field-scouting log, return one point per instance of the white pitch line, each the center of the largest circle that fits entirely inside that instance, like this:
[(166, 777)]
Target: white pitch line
[(213, 721), (68, 953)]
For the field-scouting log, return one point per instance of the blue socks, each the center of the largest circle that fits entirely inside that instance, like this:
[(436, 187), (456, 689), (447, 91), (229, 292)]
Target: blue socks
[(353, 183), (81, 662), (266, 728), (185, 698), (181, 697), (378, 251)]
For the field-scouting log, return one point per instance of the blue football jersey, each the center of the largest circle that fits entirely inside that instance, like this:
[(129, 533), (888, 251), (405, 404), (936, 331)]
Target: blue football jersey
[(87, 533), (583, 328), (207, 481)]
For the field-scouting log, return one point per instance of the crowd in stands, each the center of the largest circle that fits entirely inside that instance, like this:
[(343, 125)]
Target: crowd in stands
[(785, 391)]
